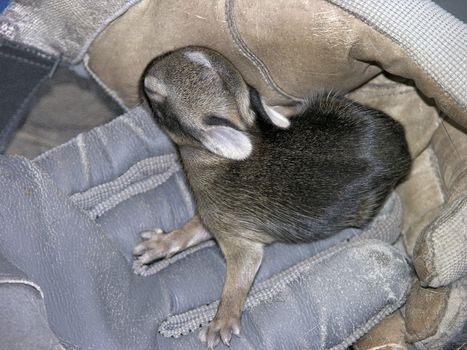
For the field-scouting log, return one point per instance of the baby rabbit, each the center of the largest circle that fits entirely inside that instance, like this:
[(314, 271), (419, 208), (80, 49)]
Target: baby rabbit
[(259, 177)]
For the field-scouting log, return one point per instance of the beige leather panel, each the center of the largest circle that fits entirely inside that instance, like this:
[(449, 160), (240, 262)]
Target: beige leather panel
[(283, 48), (425, 308), (422, 195), (439, 253), (450, 145), (404, 103), (304, 44), (152, 27), (388, 334)]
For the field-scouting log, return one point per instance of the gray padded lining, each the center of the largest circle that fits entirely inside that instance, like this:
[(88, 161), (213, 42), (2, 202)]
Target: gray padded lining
[(23, 324), (94, 300), (268, 290), (60, 27)]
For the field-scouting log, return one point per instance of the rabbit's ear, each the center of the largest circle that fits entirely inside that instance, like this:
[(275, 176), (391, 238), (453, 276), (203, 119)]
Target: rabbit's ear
[(265, 112), (155, 89), (277, 118), (227, 142)]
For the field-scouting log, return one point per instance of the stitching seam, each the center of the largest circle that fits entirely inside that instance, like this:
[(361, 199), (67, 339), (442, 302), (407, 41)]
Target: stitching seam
[(25, 60), (85, 44), (28, 49), (191, 320), (249, 54), (16, 280)]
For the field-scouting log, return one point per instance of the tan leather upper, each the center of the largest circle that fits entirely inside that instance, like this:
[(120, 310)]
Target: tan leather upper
[(286, 49)]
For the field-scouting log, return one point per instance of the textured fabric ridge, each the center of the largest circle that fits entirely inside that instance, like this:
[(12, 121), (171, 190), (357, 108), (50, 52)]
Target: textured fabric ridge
[(147, 270), (184, 323), (181, 324), (141, 177), (425, 31)]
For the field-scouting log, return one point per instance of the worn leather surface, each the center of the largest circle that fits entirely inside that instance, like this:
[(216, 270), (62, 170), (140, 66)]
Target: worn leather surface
[(387, 335), (423, 195), (402, 101), (424, 310), (435, 236), (434, 198), (290, 50), (23, 321), (436, 184), (450, 332), (440, 251), (450, 145)]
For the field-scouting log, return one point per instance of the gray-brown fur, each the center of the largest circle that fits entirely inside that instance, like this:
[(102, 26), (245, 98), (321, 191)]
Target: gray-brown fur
[(256, 182)]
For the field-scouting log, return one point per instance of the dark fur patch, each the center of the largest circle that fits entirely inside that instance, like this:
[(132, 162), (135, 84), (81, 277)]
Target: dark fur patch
[(332, 169)]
